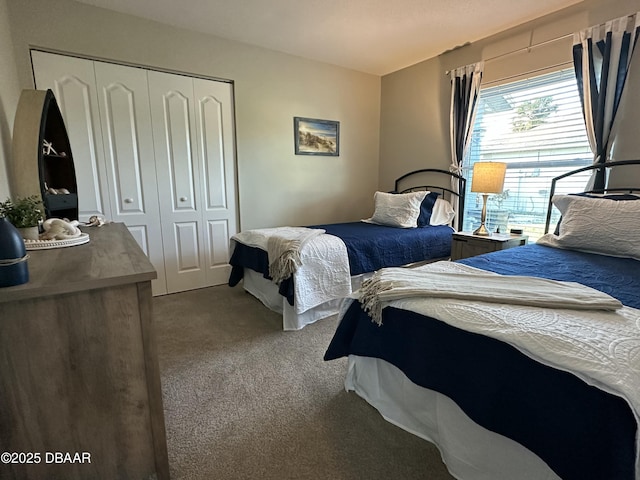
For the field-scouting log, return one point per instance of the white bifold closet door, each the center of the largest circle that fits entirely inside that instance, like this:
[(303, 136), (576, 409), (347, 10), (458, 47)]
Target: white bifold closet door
[(160, 157), (189, 119), (127, 140)]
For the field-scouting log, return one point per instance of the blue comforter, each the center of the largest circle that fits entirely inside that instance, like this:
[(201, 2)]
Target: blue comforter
[(369, 247), (579, 430), (372, 247)]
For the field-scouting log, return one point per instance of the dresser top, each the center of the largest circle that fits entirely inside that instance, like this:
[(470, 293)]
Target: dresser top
[(112, 257)]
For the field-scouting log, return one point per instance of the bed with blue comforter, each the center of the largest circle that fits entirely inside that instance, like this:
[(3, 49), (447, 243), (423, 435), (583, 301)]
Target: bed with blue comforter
[(506, 388), (369, 248), (412, 224), (578, 430)]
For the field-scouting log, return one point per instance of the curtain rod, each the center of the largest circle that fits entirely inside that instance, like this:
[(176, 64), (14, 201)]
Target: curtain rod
[(546, 42), (530, 72), (528, 49)]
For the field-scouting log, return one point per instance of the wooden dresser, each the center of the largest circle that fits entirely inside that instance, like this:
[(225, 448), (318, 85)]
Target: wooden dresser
[(78, 366)]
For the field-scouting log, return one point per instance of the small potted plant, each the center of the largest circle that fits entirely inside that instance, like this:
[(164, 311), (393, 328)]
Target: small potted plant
[(25, 214)]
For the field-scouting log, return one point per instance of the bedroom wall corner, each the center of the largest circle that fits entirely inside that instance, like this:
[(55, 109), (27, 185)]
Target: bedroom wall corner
[(411, 123), (414, 119), (9, 95)]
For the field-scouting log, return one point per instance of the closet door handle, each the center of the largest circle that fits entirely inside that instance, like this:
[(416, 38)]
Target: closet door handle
[(128, 200), (183, 199)]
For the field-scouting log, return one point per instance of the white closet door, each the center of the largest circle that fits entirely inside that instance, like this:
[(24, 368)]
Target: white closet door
[(129, 152), (157, 152), (72, 81), (173, 120), (216, 153)]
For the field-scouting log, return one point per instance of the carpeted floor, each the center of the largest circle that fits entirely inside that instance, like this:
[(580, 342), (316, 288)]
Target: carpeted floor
[(245, 400)]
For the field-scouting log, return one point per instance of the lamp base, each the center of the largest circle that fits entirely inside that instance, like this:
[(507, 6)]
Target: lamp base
[(481, 230)]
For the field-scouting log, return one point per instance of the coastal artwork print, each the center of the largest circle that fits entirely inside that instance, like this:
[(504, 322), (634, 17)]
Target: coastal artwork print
[(316, 137)]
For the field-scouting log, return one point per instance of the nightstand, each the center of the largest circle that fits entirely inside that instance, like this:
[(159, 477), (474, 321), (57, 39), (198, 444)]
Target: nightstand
[(466, 244)]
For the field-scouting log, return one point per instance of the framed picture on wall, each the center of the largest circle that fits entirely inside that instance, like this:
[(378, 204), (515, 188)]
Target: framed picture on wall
[(316, 137)]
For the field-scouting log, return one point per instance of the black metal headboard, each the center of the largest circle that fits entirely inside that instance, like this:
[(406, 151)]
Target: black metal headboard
[(442, 184), (607, 168)]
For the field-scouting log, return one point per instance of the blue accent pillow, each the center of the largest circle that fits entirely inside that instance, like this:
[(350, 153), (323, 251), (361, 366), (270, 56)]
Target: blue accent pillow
[(426, 208)]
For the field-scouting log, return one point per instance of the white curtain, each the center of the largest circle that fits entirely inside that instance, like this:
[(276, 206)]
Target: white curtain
[(465, 87), (601, 56)]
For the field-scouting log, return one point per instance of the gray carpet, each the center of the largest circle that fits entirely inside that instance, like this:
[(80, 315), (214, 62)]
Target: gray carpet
[(245, 400)]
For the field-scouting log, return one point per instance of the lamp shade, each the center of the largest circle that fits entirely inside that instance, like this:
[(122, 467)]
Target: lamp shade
[(488, 177)]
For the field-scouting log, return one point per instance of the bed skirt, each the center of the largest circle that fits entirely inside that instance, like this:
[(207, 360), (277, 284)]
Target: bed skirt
[(267, 292), (469, 451)]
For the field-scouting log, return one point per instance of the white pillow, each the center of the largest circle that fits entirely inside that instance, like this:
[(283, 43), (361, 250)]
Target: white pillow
[(442, 212), (397, 209), (597, 225)]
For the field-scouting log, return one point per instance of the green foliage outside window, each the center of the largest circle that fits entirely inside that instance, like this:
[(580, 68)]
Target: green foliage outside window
[(532, 113)]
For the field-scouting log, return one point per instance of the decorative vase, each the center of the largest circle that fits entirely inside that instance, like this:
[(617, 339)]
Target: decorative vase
[(13, 256), (30, 233)]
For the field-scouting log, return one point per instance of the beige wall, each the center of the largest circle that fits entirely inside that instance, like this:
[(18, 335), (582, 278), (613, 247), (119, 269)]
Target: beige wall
[(416, 100), (414, 125), (9, 93), (276, 187)]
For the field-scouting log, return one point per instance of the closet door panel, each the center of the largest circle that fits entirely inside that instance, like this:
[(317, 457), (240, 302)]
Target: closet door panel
[(172, 114), (129, 151), (215, 139), (180, 161), (122, 148), (186, 239), (73, 83), (139, 232), (212, 146), (218, 231)]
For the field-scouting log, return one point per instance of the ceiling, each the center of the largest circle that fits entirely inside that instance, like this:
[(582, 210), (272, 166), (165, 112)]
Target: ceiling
[(373, 36)]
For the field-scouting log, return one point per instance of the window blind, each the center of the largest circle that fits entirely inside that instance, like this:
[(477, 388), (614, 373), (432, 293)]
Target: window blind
[(536, 127)]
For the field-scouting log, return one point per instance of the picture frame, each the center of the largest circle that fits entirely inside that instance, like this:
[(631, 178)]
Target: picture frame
[(314, 136)]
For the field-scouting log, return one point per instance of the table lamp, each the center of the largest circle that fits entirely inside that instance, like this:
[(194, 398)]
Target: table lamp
[(488, 178)]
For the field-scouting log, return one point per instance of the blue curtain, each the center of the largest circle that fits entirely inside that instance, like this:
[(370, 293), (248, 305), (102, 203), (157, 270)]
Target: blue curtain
[(465, 87), (601, 57)]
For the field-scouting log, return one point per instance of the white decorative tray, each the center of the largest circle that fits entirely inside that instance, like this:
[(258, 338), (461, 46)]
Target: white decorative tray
[(47, 244)]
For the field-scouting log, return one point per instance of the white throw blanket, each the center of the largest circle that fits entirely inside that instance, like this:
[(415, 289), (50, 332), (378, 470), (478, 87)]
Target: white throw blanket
[(601, 347), (320, 261), (457, 281), (283, 250)]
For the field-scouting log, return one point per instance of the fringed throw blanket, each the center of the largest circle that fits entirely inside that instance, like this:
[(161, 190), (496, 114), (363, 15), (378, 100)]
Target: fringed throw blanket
[(282, 245), (457, 281), (283, 250), (322, 273)]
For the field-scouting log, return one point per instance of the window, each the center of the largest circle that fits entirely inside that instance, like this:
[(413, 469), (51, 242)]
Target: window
[(536, 127)]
